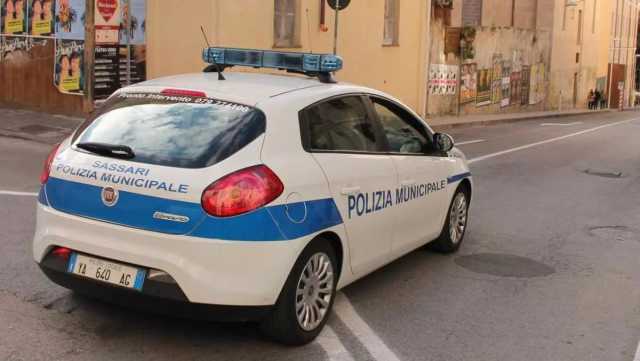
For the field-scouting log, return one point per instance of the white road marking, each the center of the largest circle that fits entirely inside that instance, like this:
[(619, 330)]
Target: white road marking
[(18, 194), (331, 344), (637, 357), (561, 124), (471, 142), (361, 330), (527, 146)]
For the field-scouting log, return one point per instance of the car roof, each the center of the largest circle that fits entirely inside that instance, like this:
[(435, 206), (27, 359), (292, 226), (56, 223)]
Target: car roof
[(246, 88)]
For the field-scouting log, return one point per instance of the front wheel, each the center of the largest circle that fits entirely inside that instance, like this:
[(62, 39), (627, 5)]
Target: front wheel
[(307, 297), (455, 225)]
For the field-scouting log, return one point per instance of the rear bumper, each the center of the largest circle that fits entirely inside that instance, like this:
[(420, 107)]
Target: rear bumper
[(155, 297), (207, 271)]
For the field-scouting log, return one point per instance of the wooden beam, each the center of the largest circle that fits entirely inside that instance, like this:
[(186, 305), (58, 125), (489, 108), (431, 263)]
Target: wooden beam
[(89, 56)]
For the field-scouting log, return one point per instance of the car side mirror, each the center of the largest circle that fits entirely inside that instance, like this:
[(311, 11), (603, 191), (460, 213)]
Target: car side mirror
[(443, 142)]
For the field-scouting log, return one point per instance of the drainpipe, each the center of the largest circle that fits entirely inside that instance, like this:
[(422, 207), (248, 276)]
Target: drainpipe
[(429, 48)]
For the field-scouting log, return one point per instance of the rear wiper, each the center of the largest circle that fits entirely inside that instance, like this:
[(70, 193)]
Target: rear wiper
[(109, 150)]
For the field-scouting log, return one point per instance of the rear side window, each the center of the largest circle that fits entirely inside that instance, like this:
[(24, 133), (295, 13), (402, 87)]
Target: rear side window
[(340, 124), (176, 131)]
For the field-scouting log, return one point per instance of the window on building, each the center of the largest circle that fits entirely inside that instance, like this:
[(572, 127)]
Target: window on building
[(286, 24), (595, 11), (579, 27), (391, 22)]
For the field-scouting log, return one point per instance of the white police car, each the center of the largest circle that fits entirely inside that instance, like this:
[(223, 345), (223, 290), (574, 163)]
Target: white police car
[(260, 194)]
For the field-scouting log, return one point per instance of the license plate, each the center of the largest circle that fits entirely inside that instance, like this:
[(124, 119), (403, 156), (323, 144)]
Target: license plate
[(106, 271)]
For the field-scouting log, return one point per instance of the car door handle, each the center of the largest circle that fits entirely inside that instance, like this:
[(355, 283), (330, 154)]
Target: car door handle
[(408, 182), (349, 191)]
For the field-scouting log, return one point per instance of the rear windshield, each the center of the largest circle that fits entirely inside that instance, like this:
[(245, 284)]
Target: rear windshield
[(176, 131)]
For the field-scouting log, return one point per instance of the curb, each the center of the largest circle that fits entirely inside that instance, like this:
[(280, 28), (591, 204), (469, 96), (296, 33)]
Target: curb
[(515, 119)]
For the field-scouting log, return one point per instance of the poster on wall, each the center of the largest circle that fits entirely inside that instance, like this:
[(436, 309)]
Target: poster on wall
[(515, 87), (525, 75), (436, 79), (136, 33), (541, 82), (106, 71), (496, 86), (452, 80), (107, 21), (69, 20), (68, 66), (12, 45), (468, 82), (536, 87), (41, 17), (484, 87), (443, 79), (13, 19), (505, 89)]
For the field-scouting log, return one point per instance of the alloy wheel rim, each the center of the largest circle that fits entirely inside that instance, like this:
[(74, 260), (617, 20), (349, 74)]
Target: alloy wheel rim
[(458, 218), (314, 292)]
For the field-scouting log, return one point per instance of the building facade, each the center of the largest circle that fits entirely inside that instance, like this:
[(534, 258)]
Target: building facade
[(383, 42)]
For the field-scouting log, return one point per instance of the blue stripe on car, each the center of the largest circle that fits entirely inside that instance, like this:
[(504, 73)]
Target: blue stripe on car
[(42, 196), (136, 210), (458, 177)]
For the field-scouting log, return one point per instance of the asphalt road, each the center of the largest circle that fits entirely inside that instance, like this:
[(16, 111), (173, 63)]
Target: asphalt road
[(549, 269)]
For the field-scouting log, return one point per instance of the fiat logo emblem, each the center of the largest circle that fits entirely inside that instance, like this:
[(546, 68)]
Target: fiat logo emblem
[(109, 196)]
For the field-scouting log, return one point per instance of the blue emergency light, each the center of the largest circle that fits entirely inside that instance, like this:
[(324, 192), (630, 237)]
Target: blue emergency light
[(321, 65)]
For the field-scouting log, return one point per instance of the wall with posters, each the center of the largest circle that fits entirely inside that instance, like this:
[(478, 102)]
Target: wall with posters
[(42, 51), (510, 68)]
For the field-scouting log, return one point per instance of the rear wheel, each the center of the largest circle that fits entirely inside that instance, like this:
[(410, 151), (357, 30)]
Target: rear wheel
[(307, 297), (455, 225)]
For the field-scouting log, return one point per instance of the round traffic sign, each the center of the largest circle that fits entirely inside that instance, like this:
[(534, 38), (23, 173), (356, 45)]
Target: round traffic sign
[(343, 4)]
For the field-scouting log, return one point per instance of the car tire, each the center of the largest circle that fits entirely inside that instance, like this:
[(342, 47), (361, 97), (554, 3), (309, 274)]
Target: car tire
[(455, 225), (312, 281)]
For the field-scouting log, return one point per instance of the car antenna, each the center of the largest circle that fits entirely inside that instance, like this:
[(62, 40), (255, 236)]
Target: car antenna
[(309, 32), (215, 64)]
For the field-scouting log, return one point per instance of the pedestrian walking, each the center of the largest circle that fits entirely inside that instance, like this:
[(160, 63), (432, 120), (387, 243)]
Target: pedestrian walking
[(591, 99), (597, 97)]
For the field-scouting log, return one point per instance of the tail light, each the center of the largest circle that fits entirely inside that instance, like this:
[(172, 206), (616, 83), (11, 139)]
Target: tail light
[(242, 191), (44, 176), (61, 252)]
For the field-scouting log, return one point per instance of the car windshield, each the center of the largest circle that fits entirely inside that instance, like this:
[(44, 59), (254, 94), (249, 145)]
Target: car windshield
[(177, 131)]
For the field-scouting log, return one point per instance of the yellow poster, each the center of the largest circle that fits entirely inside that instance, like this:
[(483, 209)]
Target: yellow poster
[(14, 19)]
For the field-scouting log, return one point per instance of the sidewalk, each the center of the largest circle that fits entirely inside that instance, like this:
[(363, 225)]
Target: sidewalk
[(448, 122), (38, 127), (50, 129)]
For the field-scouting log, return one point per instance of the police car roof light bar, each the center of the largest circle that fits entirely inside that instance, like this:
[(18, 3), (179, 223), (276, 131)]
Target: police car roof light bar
[(315, 65)]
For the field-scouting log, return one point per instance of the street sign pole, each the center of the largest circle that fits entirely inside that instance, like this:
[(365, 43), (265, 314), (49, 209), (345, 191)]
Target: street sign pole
[(335, 29)]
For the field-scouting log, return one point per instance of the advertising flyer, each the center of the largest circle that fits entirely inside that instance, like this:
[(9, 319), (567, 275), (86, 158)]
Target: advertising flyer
[(69, 22), (136, 33), (506, 84), (107, 21), (496, 86), (515, 87), (468, 82), (524, 82), (484, 87), (68, 72), (14, 17), (41, 17), (533, 84), (106, 71)]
